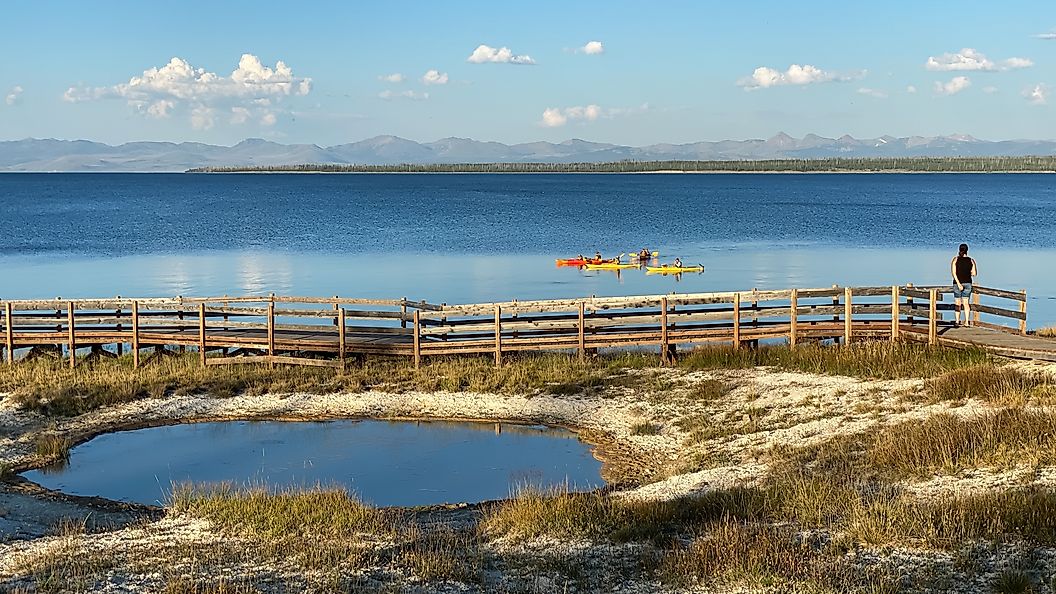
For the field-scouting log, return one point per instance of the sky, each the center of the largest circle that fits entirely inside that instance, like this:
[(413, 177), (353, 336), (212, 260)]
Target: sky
[(615, 71)]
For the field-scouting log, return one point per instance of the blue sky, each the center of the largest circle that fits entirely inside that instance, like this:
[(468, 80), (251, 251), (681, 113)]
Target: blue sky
[(674, 72)]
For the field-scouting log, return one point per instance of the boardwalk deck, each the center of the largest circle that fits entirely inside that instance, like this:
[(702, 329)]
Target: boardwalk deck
[(302, 329)]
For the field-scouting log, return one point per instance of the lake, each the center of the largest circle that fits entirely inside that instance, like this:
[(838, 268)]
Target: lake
[(480, 237), (385, 463)]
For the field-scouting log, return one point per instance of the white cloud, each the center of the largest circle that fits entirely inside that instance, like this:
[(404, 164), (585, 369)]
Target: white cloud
[(554, 117), (178, 85), (160, 108), (389, 95), (14, 95), (269, 119), (593, 48), (872, 93), (1039, 95), (395, 77), (239, 115), (502, 55), (764, 77), (202, 118), (1046, 36), (911, 89), (969, 59), (956, 85), (1017, 63), (434, 77)]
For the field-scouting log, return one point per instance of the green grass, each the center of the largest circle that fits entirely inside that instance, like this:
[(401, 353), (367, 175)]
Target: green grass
[(947, 443), (872, 360), (313, 513), (997, 385)]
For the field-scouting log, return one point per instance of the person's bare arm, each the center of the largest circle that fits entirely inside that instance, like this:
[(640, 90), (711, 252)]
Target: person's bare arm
[(974, 272), (953, 273)]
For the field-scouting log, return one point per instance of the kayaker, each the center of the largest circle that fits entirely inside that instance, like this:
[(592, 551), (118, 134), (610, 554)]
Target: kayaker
[(644, 254), (597, 256), (678, 263)]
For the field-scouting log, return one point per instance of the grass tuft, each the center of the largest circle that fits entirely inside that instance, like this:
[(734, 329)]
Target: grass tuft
[(1008, 386), (645, 428), (874, 360), (52, 447)]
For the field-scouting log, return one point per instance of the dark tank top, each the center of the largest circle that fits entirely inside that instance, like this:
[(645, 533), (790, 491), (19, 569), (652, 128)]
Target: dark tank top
[(964, 269)]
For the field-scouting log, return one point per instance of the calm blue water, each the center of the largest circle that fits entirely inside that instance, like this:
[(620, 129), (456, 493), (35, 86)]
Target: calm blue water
[(384, 463), (466, 237)]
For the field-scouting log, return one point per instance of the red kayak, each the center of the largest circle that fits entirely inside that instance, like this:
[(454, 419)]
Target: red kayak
[(583, 261)]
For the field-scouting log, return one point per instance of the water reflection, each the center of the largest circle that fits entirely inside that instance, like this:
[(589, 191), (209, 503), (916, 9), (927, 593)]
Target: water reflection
[(383, 462)]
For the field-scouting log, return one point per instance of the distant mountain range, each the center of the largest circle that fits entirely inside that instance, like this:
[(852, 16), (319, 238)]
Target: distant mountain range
[(84, 155)]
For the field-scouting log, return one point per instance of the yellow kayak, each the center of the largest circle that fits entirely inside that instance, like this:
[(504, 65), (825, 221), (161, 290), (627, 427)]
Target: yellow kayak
[(673, 269), (610, 266)]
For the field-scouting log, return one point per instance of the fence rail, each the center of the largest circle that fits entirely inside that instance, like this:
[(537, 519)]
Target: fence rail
[(285, 329)]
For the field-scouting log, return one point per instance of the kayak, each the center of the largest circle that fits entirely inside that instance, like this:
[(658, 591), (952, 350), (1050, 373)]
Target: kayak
[(635, 256), (673, 269), (583, 261), (610, 266)]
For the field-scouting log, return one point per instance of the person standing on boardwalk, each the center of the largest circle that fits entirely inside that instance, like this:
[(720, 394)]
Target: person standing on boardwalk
[(962, 267)]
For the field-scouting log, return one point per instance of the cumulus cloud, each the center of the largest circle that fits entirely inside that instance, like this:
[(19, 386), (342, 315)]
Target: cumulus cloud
[(872, 93), (14, 95), (395, 77), (593, 48), (969, 59), (1039, 95), (434, 77), (178, 86), (764, 77), (414, 95), (555, 117), (956, 85), (911, 89), (503, 55)]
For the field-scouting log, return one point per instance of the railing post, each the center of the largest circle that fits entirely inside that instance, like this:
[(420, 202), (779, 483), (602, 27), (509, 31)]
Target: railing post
[(73, 334), (894, 313), (1023, 310), (847, 308), (975, 308), (271, 329), (403, 312), (793, 318), (201, 333), (736, 320), (9, 334), (582, 332), (417, 341), (835, 305), (135, 334), (663, 331), (498, 336), (341, 345), (933, 319)]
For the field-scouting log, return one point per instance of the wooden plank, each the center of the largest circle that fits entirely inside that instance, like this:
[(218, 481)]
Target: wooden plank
[(73, 334), (737, 320), (9, 335), (342, 346), (1014, 295), (933, 329), (975, 307), (1007, 313), (847, 316), (135, 333), (581, 331), (417, 340), (201, 333), (793, 317), (271, 328), (1023, 312), (498, 336), (894, 312), (663, 331)]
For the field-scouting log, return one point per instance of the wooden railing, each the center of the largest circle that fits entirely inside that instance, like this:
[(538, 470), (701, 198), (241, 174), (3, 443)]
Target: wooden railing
[(278, 329)]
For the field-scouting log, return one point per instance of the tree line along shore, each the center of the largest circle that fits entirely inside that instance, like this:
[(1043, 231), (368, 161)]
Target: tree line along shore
[(1028, 164)]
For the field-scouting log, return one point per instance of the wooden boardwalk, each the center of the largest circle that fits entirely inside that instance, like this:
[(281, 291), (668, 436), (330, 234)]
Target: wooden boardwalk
[(328, 331)]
